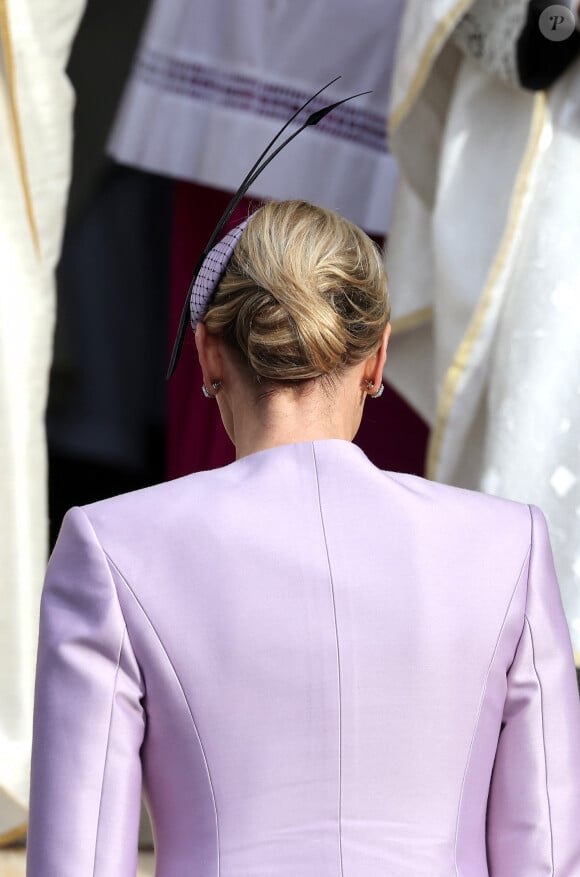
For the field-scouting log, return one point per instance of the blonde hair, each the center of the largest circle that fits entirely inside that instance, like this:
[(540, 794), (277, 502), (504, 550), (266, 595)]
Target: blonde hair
[(304, 295)]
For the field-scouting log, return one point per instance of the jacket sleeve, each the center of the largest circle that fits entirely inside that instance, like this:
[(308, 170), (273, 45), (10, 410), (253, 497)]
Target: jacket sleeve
[(88, 720), (534, 803)]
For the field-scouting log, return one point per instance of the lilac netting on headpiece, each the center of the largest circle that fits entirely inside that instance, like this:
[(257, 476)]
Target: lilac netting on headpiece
[(212, 271)]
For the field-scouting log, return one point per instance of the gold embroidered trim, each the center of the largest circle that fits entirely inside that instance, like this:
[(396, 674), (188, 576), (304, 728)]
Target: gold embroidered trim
[(412, 321), (439, 36), (6, 42), (14, 835), (463, 354), (577, 659)]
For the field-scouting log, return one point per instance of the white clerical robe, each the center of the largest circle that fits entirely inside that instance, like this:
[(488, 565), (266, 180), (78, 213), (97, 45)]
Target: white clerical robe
[(485, 272), (36, 104)]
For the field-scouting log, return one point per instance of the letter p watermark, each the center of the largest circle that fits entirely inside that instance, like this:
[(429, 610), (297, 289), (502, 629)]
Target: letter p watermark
[(557, 23)]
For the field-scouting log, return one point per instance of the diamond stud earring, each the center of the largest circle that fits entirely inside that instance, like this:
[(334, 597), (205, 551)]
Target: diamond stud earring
[(215, 385), (370, 386)]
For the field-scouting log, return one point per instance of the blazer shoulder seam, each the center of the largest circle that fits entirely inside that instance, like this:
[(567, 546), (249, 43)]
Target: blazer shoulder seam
[(109, 563)]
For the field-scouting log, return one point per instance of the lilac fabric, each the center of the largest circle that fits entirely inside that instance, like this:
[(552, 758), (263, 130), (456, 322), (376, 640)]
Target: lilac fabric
[(318, 669), (212, 271)]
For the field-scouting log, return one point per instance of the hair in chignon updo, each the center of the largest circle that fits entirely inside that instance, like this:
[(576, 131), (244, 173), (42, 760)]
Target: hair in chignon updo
[(304, 294)]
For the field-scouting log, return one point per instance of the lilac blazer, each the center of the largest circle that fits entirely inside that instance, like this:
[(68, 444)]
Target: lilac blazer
[(317, 669)]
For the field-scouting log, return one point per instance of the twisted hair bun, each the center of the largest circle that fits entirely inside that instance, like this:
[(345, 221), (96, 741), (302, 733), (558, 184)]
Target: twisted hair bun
[(304, 294)]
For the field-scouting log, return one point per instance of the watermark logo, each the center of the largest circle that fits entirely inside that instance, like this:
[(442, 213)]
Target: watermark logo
[(557, 23)]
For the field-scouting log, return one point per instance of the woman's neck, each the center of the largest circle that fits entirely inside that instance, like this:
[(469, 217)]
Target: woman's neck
[(286, 417)]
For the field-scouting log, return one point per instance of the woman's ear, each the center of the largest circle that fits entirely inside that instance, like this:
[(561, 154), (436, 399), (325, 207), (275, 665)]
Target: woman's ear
[(209, 353), (381, 358)]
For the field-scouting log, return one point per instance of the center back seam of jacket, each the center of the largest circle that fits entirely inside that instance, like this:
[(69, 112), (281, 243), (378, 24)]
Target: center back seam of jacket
[(181, 688), (480, 705), (337, 660)]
